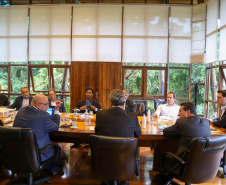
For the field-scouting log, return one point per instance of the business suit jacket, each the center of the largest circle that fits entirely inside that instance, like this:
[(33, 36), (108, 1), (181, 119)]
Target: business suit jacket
[(41, 123), (62, 108), (185, 129), (18, 102), (3, 100), (83, 102), (221, 121), (129, 107), (117, 122)]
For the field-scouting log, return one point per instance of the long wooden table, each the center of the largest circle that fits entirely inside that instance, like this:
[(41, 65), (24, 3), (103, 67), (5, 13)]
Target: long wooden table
[(151, 136)]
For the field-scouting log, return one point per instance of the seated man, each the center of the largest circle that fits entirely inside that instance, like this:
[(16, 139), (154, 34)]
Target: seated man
[(115, 121), (88, 103), (187, 127), (3, 99), (221, 101), (52, 100), (169, 109), (36, 117), (129, 104), (22, 101)]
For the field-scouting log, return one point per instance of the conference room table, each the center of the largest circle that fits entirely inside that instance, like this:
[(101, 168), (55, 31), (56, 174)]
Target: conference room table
[(151, 135)]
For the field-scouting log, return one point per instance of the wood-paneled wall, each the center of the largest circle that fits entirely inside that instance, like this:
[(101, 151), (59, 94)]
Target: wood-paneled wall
[(102, 76)]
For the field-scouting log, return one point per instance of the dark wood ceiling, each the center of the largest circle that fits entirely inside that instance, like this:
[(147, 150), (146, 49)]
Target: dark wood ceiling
[(26, 2)]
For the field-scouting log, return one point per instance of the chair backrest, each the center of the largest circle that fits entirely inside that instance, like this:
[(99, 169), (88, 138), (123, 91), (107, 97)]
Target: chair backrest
[(113, 158), (140, 107), (203, 159), (158, 102), (19, 149)]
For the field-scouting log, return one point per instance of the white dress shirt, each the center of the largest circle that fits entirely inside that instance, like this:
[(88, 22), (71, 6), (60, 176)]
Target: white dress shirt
[(53, 103), (167, 110), (25, 102)]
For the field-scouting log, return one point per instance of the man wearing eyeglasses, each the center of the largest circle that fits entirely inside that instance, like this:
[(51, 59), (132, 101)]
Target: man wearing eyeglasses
[(36, 117)]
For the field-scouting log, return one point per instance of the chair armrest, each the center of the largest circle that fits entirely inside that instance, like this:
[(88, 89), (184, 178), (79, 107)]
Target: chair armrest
[(179, 159), (42, 150)]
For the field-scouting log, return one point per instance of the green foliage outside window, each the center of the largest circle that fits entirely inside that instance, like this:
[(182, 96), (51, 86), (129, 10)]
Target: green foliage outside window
[(155, 82), (4, 78), (19, 77), (133, 81), (179, 82)]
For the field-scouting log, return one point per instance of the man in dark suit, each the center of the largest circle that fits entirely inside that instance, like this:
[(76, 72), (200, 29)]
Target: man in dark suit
[(221, 101), (22, 101), (88, 103), (187, 127), (129, 107), (36, 117), (116, 122), (52, 100), (3, 99)]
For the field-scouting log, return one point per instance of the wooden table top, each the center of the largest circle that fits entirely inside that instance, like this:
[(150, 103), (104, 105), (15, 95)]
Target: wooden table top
[(150, 132)]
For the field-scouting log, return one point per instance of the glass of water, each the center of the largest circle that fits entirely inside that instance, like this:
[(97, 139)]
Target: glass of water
[(89, 121)]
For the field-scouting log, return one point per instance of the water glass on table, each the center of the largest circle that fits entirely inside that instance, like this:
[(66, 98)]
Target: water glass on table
[(88, 121)]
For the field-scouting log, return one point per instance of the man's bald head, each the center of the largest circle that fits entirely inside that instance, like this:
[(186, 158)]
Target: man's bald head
[(40, 101)]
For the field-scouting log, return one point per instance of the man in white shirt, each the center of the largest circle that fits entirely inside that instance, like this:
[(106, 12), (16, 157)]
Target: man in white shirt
[(52, 100), (169, 109)]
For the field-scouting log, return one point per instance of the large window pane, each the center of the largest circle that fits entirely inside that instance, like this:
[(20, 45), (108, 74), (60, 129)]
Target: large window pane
[(224, 82), (213, 79), (151, 106), (155, 82), (179, 82), (4, 78), (212, 112), (41, 79), (133, 81), (19, 77), (61, 77), (200, 98)]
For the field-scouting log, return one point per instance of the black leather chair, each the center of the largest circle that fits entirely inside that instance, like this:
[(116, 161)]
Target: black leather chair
[(140, 107), (223, 164), (158, 102), (203, 159), (113, 158), (20, 153)]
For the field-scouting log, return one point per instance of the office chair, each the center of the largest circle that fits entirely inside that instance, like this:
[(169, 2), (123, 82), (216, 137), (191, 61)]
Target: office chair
[(158, 102), (113, 158), (20, 153), (203, 159), (223, 164), (140, 107)]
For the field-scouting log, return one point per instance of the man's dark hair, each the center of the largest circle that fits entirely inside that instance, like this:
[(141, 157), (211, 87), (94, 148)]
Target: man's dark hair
[(117, 97), (223, 92), (90, 88), (174, 95), (24, 87), (189, 106), (51, 90)]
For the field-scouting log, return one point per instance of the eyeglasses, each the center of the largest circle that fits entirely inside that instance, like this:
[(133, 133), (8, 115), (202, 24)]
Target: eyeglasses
[(44, 103)]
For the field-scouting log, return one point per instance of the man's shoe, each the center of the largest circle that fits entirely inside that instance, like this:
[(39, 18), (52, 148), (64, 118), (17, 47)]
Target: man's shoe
[(75, 145), (58, 168)]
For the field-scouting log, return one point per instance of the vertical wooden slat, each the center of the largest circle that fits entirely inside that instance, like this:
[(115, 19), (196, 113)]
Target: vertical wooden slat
[(102, 76)]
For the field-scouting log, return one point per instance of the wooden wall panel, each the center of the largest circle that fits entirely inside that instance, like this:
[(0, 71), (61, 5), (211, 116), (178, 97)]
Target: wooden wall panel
[(102, 76)]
